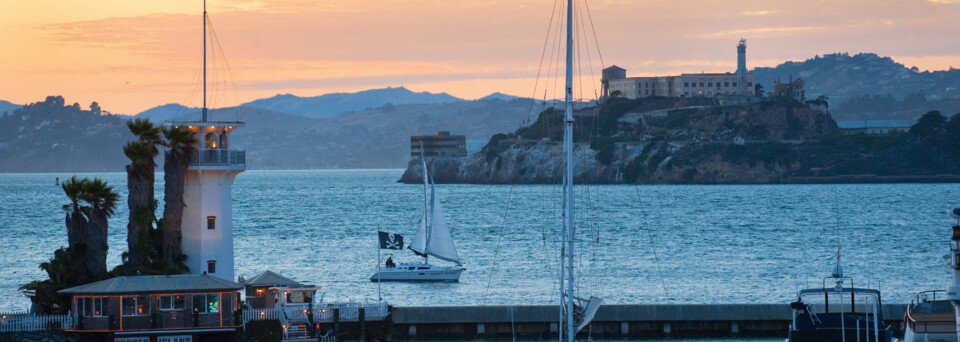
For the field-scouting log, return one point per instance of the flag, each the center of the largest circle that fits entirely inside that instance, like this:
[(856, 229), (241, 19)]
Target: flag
[(390, 241)]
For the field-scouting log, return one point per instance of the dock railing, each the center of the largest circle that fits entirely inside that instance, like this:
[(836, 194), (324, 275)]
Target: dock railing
[(261, 314), (350, 312), (21, 322)]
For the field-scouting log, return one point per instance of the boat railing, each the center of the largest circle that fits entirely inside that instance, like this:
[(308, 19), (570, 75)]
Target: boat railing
[(929, 322)]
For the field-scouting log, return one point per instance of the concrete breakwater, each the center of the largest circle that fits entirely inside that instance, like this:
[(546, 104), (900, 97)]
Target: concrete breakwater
[(611, 321)]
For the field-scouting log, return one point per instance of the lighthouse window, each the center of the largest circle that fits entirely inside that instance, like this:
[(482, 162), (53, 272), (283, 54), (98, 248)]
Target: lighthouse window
[(210, 140), (211, 222), (211, 266)]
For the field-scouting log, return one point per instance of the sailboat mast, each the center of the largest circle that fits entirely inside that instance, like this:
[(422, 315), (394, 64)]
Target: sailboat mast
[(568, 194), (426, 216), (204, 119)]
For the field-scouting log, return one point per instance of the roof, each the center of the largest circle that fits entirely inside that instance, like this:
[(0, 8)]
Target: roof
[(614, 67), (269, 278), (873, 124), (154, 283)]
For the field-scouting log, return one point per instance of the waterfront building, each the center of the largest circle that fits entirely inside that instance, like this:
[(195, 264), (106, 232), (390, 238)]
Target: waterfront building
[(158, 308), (441, 145), (207, 226), (268, 289), (741, 83), (873, 126)]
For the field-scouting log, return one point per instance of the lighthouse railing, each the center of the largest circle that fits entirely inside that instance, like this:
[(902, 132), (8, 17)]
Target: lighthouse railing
[(231, 158)]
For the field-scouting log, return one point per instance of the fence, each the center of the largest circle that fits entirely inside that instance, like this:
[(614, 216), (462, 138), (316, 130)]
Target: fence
[(351, 311), (261, 314), (18, 322)]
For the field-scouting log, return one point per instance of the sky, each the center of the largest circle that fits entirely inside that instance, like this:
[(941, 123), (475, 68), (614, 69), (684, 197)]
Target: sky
[(131, 55)]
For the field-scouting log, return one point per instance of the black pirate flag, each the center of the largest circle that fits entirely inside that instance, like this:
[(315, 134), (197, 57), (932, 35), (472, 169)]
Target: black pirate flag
[(390, 241)]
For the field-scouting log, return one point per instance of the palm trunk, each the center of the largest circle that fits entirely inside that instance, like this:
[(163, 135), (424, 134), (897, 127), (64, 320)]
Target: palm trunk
[(97, 242), (174, 177), (140, 179), (76, 227)]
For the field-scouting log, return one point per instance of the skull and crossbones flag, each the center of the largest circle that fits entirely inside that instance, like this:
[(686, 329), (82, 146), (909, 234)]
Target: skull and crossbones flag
[(390, 241)]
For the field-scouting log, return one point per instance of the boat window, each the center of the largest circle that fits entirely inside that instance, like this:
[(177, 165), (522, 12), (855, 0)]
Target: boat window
[(422, 268)]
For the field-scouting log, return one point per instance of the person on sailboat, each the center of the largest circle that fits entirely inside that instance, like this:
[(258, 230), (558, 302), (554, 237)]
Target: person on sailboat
[(390, 263)]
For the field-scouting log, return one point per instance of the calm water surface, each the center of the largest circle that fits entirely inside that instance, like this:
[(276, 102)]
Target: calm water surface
[(646, 244)]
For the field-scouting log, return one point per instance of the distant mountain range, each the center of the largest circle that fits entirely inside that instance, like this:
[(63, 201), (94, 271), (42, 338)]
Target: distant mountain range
[(847, 79), (328, 105), (7, 107), (166, 112)]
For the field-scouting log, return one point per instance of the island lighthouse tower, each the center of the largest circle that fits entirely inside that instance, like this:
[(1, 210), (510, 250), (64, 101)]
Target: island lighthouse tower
[(742, 69), (206, 231), (207, 227)]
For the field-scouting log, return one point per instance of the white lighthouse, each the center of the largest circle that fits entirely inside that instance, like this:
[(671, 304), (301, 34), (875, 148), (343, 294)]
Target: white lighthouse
[(207, 226), (742, 69)]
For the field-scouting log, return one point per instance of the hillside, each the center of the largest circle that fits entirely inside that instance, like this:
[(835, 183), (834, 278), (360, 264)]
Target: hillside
[(847, 79), (335, 103), (51, 136), (166, 112), (684, 141), (7, 107)]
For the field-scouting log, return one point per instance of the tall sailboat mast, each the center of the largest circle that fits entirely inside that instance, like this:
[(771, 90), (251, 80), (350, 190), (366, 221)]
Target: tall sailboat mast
[(569, 229), (204, 119), (426, 216)]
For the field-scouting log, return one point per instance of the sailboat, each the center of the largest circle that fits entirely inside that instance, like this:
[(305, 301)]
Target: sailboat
[(432, 239), (575, 313)]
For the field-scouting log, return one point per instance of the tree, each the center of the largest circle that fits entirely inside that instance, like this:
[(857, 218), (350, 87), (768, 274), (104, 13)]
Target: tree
[(182, 146), (140, 180), (84, 259), (758, 90), (929, 124), (95, 108)]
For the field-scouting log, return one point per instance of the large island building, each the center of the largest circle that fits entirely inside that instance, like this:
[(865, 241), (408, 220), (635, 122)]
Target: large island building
[(441, 145), (741, 83), (207, 226)]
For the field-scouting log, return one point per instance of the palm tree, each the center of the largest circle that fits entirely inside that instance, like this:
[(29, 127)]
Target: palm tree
[(182, 146), (140, 179), (102, 201), (85, 259)]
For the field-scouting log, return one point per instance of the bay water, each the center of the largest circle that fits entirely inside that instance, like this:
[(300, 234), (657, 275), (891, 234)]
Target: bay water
[(638, 244)]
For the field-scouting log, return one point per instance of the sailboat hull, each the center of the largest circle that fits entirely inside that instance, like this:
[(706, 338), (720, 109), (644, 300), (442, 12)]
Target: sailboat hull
[(418, 273)]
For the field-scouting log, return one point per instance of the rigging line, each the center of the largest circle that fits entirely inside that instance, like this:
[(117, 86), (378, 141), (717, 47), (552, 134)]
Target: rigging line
[(594, 30), (583, 30), (561, 25), (578, 53), (503, 227), (653, 246), (533, 98), (226, 64)]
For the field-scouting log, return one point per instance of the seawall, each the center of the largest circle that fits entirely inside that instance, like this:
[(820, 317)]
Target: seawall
[(611, 321)]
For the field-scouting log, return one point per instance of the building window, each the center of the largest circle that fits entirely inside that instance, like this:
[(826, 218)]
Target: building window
[(135, 306), (211, 266), (210, 140), (686, 84), (726, 84), (173, 302), (90, 306), (749, 84), (206, 303), (710, 84), (734, 84), (211, 222), (701, 84)]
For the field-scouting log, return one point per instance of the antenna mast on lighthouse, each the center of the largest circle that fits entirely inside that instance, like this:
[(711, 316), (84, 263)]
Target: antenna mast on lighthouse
[(204, 118)]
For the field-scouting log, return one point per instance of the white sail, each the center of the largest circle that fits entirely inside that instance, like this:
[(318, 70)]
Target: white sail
[(440, 242), (419, 242)]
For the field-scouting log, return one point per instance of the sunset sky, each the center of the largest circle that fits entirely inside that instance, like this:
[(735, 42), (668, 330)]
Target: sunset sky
[(131, 55)]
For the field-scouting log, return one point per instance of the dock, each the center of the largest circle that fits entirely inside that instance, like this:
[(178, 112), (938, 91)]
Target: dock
[(611, 321)]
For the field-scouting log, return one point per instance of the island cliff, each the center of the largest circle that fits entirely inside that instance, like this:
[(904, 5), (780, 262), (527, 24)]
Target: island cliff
[(696, 141)]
